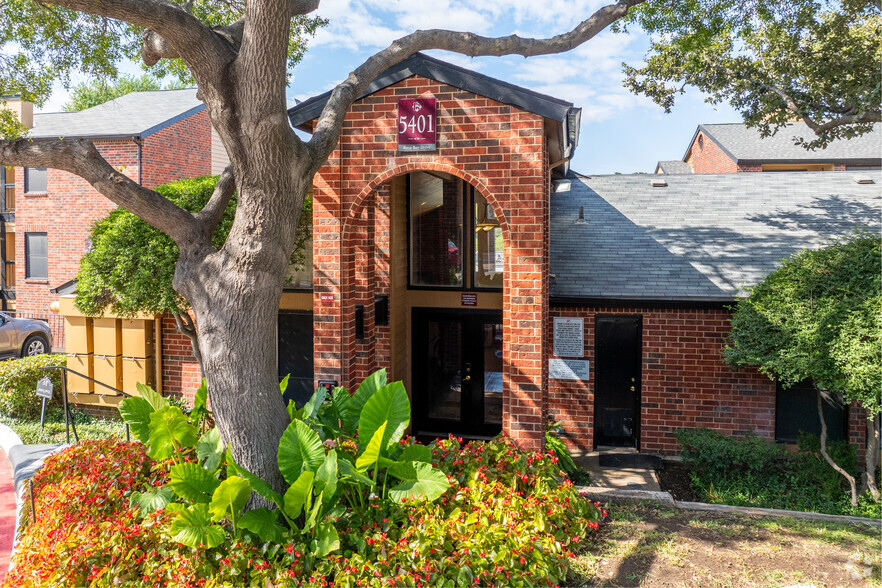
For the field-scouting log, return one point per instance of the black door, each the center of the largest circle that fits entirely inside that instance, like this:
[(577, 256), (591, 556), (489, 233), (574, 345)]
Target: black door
[(457, 372), (617, 360), (295, 355)]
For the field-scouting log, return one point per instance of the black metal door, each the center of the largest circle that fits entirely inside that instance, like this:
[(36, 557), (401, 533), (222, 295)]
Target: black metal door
[(457, 372), (295, 355), (617, 361)]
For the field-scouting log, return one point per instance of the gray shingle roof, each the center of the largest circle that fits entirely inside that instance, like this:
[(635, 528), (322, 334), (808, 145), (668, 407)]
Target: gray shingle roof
[(138, 113), (674, 167), (703, 237), (745, 145)]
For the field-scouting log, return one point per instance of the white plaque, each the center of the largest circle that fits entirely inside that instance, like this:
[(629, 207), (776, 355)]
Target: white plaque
[(568, 369), (569, 336)]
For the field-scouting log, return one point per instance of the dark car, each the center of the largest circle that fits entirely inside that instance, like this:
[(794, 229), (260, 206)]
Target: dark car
[(20, 337)]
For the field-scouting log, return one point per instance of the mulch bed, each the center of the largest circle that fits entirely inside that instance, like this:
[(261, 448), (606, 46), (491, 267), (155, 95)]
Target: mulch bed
[(674, 478)]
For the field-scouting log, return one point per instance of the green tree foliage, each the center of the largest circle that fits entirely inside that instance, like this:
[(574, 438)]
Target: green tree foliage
[(42, 44), (130, 267), (89, 94), (818, 317), (774, 62)]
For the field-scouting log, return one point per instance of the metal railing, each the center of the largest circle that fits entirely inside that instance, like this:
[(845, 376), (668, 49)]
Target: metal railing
[(68, 421)]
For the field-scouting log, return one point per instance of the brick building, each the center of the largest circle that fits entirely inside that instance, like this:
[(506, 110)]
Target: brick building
[(504, 289), (733, 148), (152, 137)]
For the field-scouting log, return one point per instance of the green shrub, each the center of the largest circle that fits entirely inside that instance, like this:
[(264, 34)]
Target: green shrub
[(758, 472), (18, 384)]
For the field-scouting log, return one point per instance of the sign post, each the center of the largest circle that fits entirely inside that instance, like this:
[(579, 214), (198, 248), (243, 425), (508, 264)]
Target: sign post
[(417, 124), (44, 391)]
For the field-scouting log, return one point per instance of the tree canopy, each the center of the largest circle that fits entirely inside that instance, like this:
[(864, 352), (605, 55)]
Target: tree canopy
[(89, 94), (774, 62)]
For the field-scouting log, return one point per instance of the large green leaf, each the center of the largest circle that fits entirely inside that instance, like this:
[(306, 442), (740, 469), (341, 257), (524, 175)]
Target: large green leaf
[(169, 427), (150, 395), (283, 385), (416, 453), (298, 495), (300, 450), (326, 539), (418, 478), (200, 402), (347, 470), (314, 514), (264, 523), (326, 477), (388, 405), (258, 484), (192, 482), (315, 401), (136, 412), (193, 527), (152, 499), (229, 498), (372, 452), (367, 389), (210, 449)]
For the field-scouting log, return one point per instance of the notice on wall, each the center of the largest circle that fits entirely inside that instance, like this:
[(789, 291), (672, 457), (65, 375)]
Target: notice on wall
[(416, 124), (568, 369), (569, 336), (470, 300)]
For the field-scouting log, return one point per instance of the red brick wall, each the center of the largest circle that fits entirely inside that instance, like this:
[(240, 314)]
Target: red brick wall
[(70, 206), (499, 150), (709, 158), (180, 372), (684, 381), (181, 150)]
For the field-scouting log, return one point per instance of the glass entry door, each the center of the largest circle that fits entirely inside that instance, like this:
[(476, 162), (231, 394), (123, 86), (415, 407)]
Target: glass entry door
[(457, 372)]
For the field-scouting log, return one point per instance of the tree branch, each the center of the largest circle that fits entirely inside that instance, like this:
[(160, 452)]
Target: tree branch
[(213, 211), (331, 120), (185, 325), (80, 157)]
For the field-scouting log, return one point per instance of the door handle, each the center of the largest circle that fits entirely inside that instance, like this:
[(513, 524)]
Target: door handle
[(468, 371), (633, 388)]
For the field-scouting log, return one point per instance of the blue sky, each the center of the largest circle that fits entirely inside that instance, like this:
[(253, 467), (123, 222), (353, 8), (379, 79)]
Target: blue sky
[(620, 132)]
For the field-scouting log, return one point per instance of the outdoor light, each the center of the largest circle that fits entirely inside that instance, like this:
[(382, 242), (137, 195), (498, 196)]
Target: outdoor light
[(487, 223)]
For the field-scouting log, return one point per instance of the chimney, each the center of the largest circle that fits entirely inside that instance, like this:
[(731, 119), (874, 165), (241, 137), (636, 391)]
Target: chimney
[(22, 108)]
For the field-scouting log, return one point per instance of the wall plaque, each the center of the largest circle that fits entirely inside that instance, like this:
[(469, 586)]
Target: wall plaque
[(416, 124), (568, 369), (470, 300), (569, 336)]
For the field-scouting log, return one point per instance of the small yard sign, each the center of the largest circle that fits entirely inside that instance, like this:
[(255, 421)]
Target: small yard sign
[(44, 388), (416, 124)]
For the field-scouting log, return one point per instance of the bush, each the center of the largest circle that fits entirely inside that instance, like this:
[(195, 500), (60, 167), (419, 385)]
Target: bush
[(367, 513), (757, 472), (18, 384)]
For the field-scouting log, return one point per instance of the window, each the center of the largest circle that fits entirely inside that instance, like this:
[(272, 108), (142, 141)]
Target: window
[(455, 237), (35, 179), (796, 409), (7, 189), (36, 256)]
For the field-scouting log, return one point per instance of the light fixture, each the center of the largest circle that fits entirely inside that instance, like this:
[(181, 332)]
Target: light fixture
[(487, 222)]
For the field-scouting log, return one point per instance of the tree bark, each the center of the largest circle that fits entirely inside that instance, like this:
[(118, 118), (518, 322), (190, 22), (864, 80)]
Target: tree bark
[(185, 326), (851, 481), (872, 458)]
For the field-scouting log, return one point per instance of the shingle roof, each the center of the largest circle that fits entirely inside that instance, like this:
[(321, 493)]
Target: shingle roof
[(136, 114), (703, 237), (745, 145), (674, 167)]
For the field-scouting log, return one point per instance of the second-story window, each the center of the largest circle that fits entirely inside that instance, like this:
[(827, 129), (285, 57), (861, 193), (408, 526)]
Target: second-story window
[(7, 189), (35, 179), (36, 256)]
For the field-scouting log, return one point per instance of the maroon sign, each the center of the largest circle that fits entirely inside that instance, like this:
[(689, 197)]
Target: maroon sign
[(416, 124), (470, 300)]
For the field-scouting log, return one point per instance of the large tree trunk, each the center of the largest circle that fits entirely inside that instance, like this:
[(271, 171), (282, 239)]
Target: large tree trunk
[(851, 481), (872, 458)]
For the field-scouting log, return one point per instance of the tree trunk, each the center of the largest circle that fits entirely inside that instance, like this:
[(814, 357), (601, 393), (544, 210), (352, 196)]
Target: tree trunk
[(851, 481), (872, 458)]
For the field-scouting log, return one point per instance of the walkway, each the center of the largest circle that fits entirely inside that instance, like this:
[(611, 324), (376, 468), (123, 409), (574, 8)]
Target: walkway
[(7, 514)]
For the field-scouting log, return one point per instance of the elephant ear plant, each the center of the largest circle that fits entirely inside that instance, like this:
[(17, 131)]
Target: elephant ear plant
[(339, 453)]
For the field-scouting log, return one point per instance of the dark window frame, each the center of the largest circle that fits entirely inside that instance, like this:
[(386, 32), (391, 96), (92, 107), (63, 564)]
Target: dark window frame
[(28, 255), (783, 410), (468, 245), (27, 180)]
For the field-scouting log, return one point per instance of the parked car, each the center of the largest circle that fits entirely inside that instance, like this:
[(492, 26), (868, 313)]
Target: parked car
[(21, 337)]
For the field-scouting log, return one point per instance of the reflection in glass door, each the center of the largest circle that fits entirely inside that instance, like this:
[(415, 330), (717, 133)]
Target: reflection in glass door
[(457, 372)]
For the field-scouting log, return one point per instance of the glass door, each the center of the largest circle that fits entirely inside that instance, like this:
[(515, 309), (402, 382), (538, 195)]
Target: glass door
[(457, 372)]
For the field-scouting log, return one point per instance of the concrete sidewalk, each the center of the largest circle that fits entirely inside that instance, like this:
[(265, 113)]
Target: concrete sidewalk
[(621, 478)]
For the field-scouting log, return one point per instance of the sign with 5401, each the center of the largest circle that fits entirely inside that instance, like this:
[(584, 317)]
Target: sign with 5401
[(416, 124)]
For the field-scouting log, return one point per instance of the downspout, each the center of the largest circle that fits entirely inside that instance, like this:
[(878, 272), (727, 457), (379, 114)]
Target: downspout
[(137, 140)]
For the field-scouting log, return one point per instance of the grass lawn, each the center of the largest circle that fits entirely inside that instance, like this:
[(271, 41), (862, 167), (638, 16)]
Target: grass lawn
[(651, 546), (54, 431)]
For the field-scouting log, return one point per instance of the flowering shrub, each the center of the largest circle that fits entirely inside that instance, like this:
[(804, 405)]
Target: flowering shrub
[(486, 513)]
